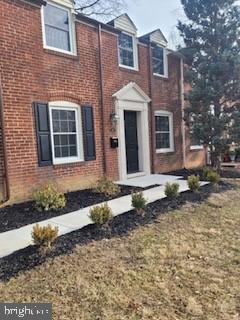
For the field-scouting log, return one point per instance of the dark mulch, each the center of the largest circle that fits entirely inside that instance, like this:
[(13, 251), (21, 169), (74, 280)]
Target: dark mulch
[(225, 173), (121, 225), (22, 214)]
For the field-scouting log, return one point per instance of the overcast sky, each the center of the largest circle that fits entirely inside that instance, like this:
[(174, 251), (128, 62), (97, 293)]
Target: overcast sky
[(149, 15)]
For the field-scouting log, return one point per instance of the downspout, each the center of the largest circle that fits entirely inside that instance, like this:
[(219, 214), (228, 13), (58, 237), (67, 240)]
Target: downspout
[(151, 107), (104, 163), (5, 174), (182, 109)]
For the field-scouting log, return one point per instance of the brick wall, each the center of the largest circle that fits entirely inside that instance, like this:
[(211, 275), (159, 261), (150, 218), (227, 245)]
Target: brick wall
[(30, 73)]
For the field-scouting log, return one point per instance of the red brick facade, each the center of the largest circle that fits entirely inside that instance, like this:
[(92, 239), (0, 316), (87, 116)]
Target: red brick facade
[(30, 73)]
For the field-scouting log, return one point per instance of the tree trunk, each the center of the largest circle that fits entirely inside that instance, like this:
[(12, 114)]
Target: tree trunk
[(215, 160)]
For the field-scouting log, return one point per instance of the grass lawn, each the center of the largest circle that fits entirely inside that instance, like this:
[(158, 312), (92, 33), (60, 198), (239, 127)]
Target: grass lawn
[(186, 265)]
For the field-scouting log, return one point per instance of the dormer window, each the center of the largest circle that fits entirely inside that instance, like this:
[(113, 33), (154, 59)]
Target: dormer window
[(159, 61), (58, 28), (127, 51)]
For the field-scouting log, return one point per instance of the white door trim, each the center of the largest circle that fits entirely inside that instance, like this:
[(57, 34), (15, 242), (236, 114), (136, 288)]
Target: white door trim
[(143, 137)]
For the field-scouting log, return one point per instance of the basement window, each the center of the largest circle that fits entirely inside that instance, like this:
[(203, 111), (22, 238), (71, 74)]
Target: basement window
[(57, 28)]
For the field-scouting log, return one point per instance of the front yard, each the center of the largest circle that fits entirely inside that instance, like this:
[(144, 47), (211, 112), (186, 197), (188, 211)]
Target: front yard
[(184, 265)]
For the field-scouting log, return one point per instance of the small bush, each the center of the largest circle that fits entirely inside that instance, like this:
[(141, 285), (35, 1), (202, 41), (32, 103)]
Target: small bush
[(193, 183), (139, 202), (107, 187), (172, 190), (101, 215), (206, 170), (48, 198), (213, 177), (44, 236)]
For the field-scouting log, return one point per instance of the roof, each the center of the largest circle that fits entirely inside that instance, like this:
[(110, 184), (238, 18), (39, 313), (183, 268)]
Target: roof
[(121, 15), (92, 21), (37, 2), (146, 37)]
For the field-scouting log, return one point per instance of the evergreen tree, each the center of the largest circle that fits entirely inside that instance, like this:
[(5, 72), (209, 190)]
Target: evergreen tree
[(212, 51)]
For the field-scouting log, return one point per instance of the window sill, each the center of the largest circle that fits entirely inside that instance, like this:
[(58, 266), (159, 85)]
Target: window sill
[(61, 54), (160, 77), (129, 69), (67, 162), (163, 151), (192, 148)]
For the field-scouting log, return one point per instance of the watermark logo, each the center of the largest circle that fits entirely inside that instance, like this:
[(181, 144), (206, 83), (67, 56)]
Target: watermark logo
[(26, 311)]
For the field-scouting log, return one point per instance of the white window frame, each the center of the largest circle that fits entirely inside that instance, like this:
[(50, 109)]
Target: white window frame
[(135, 53), (165, 63), (72, 30), (66, 105), (171, 131)]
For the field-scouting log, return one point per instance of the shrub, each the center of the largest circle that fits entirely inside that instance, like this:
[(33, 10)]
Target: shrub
[(101, 215), (193, 183), (107, 187), (206, 170), (139, 202), (48, 198), (44, 236), (172, 190), (213, 177)]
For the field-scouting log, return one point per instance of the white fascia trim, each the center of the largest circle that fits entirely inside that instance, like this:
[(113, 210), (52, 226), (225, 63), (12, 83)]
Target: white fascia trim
[(66, 105), (170, 115), (72, 30), (135, 53)]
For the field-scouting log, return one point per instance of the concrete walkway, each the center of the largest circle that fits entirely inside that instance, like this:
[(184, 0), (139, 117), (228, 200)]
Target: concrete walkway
[(17, 239)]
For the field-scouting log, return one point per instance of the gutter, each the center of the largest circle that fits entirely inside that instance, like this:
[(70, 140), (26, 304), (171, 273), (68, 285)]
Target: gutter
[(104, 163), (5, 172), (182, 109), (151, 106)]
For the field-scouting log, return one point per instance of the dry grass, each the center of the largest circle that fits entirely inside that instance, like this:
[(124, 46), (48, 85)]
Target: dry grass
[(184, 266)]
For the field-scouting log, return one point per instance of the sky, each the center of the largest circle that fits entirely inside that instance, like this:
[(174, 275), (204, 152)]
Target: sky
[(149, 15)]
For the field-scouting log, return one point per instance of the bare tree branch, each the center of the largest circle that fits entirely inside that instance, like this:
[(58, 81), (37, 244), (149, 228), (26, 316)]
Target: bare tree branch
[(105, 8)]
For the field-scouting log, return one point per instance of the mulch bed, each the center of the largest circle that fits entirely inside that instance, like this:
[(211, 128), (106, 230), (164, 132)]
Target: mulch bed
[(22, 214), (185, 173), (121, 225)]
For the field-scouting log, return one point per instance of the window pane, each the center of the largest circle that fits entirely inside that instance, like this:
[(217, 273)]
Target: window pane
[(162, 123), (64, 140), (72, 139), (57, 27), (158, 60), (57, 38), (56, 17), (126, 58), (56, 126), (162, 140), (55, 114), (57, 152), (73, 151), (65, 135), (125, 41), (65, 152), (64, 126)]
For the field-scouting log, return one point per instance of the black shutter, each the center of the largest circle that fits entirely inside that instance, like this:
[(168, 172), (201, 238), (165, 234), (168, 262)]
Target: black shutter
[(88, 133), (43, 134)]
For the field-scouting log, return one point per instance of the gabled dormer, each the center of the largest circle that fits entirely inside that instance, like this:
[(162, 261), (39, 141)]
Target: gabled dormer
[(127, 41), (159, 52)]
